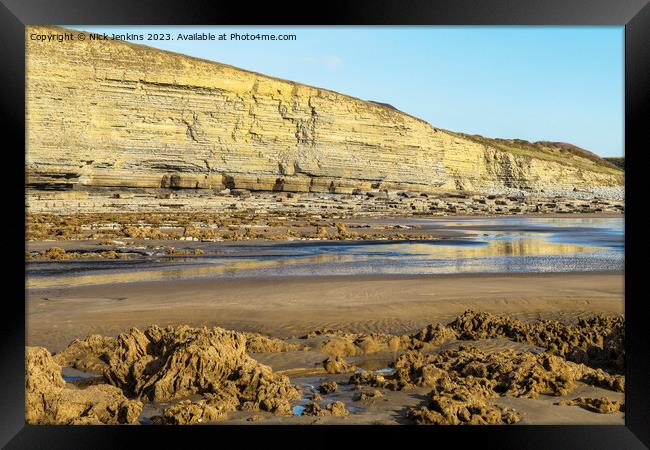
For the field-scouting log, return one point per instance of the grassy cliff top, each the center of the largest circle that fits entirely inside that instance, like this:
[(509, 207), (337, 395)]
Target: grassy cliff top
[(551, 151), (618, 161)]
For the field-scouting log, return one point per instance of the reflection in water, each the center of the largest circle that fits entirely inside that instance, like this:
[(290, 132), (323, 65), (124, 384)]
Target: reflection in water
[(489, 245)]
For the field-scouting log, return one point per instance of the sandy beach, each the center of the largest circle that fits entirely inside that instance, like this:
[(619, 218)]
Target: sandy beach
[(285, 307)]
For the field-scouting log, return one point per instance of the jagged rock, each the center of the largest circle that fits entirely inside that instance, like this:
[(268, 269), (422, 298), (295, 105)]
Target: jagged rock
[(518, 374), (336, 365), (339, 347), (41, 371), (447, 410), (328, 387), (161, 364), (187, 412), (351, 344), (89, 355), (226, 399), (336, 408), (601, 405), (258, 343), (48, 400), (597, 341), (432, 335), (367, 395)]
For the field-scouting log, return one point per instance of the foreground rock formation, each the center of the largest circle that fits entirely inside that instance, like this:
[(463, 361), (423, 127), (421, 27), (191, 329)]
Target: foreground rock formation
[(162, 364), (49, 400), (599, 405), (597, 341), (203, 374), (116, 115)]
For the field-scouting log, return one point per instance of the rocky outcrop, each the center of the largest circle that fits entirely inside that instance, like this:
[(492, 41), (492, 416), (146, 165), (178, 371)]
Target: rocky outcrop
[(597, 341), (187, 412), (113, 114), (336, 364), (336, 408), (328, 387), (163, 364), (518, 374), (463, 381), (258, 343), (601, 405), (49, 400)]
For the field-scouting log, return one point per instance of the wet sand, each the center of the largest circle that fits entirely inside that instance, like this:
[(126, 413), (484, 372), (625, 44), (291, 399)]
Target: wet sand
[(285, 307)]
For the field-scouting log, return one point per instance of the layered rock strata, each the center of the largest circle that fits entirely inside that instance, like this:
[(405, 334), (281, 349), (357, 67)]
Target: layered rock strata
[(114, 114)]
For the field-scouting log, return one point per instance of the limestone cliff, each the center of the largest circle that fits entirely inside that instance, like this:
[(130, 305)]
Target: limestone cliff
[(114, 114)]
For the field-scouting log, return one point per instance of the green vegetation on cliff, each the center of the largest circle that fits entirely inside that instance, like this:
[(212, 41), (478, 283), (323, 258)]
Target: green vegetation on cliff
[(550, 151)]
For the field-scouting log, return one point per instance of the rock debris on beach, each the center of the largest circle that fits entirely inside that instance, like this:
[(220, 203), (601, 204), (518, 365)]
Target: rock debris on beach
[(213, 366)]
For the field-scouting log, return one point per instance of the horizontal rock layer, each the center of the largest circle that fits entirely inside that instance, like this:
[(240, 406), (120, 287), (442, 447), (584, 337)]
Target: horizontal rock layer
[(114, 114)]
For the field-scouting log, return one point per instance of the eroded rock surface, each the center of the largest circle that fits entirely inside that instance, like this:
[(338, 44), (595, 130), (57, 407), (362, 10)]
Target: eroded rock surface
[(187, 412), (432, 335), (328, 387), (601, 405), (90, 354), (49, 400), (336, 408), (337, 364), (340, 343), (162, 364), (455, 409), (508, 372), (367, 395), (258, 343), (597, 341), (464, 379)]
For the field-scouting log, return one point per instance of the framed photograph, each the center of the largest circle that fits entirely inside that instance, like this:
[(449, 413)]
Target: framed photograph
[(389, 214)]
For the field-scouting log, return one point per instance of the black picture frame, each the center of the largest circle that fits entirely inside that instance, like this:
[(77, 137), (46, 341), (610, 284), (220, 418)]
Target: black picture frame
[(633, 14)]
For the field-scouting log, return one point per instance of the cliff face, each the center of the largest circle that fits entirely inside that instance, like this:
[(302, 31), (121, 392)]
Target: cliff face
[(108, 113)]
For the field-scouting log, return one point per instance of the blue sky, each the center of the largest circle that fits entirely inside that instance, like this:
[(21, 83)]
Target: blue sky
[(534, 83)]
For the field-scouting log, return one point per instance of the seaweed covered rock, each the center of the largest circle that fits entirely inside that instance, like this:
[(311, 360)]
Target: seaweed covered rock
[(601, 405), (597, 341), (49, 400)]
